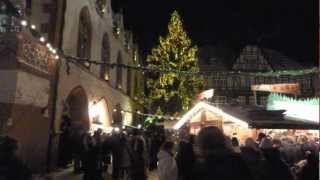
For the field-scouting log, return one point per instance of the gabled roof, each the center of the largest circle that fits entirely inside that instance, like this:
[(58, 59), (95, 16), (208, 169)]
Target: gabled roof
[(279, 61), (214, 58), (222, 59), (205, 106)]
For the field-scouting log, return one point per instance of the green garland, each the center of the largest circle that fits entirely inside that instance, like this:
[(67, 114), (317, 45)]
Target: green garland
[(299, 72), (282, 98)]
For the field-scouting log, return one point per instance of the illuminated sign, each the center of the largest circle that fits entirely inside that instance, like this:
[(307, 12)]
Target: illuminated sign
[(287, 88), (304, 109)]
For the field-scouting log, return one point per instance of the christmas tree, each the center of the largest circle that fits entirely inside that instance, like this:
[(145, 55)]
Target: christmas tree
[(172, 91)]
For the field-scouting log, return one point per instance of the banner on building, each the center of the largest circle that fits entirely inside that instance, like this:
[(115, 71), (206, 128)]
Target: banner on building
[(286, 88)]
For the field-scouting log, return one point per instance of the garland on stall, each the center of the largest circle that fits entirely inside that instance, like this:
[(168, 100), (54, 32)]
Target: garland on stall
[(148, 115)]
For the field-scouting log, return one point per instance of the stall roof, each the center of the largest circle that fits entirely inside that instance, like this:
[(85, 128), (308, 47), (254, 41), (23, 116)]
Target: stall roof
[(206, 106), (241, 115), (284, 124)]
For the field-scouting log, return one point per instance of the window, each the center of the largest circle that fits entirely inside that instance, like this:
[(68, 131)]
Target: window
[(230, 82), (242, 100), (223, 83), (105, 57), (129, 82), (263, 100), (28, 7), (237, 82), (119, 72), (84, 35), (243, 81), (247, 81), (136, 85), (251, 100)]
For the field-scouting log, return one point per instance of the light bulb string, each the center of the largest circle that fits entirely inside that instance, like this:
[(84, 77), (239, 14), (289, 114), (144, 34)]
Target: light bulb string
[(146, 114), (59, 55)]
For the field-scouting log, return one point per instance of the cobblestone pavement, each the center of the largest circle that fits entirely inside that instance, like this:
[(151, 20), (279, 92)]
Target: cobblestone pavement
[(69, 175)]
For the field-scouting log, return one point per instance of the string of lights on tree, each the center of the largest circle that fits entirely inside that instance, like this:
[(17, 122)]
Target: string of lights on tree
[(73, 59), (148, 115)]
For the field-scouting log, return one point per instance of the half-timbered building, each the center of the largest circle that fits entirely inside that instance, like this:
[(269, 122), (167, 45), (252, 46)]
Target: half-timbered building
[(232, 84)]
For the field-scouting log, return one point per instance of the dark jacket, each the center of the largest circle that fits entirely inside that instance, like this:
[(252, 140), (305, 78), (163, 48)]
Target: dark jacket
[(12, 168), (221, 166), (256, 163), (311, 170), (138, 171), (278, 169), (185, 160)]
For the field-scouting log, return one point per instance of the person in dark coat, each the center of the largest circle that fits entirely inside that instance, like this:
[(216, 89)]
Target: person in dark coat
[(278, 169), (65, 151), (311, 170), (254, 159), (11, 167), (218, 161), (78, 150), (155, 144), (138, 171), (106, 152), (116, 151), (185, 160), (91, 161)]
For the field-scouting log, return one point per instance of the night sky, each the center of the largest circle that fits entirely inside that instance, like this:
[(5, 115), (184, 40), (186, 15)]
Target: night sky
[(289, 26)]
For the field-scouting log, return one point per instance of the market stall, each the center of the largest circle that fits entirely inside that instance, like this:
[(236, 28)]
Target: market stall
[(242, 121), (204, 114)]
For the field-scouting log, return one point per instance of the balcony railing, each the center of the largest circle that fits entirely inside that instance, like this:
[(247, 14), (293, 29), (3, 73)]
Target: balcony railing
[(27, 49)]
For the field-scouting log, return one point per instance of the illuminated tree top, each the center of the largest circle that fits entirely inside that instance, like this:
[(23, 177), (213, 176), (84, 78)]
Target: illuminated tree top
[(175, 51)]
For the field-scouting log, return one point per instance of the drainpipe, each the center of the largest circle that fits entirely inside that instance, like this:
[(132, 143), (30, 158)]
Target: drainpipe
[(58, 40), (52, 134)]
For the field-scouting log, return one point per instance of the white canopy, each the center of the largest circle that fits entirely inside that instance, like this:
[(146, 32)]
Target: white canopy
[(202, 106)]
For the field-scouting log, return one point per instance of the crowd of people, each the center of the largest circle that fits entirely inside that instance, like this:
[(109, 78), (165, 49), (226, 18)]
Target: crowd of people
[(216, 156), (124, 152), (129, 155), (209, 155)]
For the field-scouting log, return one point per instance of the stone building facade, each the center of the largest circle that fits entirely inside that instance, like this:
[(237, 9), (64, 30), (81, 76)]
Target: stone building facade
[(37, 89)]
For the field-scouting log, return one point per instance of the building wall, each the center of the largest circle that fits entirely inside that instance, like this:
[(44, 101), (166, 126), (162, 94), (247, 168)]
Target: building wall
[(89, 79), (24, 97), (94, 87), (27, 98)]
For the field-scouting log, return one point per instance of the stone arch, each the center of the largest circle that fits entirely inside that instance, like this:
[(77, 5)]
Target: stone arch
[(119, 71), (84, 34), (75, 122), (105, 57), (77, 108)]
